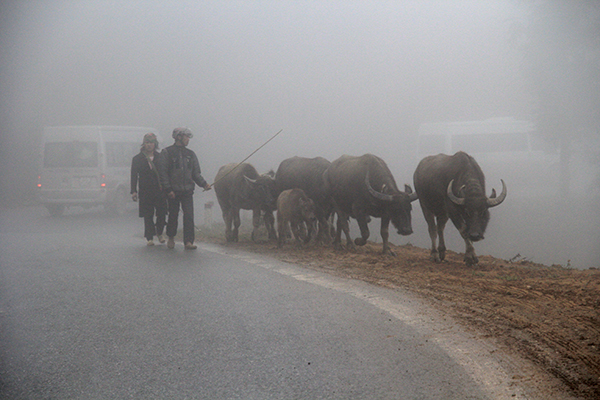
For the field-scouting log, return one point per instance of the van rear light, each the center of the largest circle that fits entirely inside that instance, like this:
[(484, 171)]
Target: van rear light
[(39, 184), (103, 180)]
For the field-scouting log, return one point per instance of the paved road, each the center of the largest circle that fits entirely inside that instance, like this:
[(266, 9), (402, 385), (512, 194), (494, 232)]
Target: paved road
[(87, 311)]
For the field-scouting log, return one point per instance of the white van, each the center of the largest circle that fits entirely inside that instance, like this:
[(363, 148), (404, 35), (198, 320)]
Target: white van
[(505, 148), (88, 166)]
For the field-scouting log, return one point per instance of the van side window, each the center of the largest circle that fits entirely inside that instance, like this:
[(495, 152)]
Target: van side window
[(119, 154), (70, 155)]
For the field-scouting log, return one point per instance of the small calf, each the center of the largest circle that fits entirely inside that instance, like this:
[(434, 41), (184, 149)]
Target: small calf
[(295, 208)]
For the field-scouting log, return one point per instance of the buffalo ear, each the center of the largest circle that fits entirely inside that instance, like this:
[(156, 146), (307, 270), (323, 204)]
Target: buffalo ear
[(493, 195), (407, 189)]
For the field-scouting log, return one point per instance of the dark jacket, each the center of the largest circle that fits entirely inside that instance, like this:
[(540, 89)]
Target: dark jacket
[(141, 172), (144, 181), (179, 170)]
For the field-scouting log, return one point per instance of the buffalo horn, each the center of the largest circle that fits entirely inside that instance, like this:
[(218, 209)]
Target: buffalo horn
[(374, 193), (456, 200), (412, 196), (494, 201), (250, 180)]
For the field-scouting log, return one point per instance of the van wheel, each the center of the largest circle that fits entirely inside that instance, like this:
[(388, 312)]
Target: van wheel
[(55, 210)]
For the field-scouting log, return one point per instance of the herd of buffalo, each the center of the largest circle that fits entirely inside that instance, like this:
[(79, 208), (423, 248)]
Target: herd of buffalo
[(307, 192)]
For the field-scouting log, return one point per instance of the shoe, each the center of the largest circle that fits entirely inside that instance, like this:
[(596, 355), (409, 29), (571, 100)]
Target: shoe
[(171, 243), (150, 242), (161, 238), (190, 246)]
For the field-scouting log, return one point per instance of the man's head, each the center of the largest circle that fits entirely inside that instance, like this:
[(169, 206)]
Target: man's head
[(182, 136)]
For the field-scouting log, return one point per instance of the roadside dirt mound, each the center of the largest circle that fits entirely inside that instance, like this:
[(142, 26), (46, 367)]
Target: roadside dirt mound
[(550, 315)]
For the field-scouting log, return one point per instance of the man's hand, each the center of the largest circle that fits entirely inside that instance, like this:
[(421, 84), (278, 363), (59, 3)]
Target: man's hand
[(207, 187), (134, 196), (171, 194)]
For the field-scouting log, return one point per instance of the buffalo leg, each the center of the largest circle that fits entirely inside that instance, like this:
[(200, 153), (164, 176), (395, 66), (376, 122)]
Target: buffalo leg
[(363, 224), (228, 219), (343, 226), (236, 224), (324, 230), (441, 224), (311, 228), (385, 234), (282, 231), (255, 224), (270, 225), (470, 257), (298, 231), (433, 233)]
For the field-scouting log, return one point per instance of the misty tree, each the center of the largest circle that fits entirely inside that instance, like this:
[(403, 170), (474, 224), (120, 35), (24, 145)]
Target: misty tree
[(560, 47)]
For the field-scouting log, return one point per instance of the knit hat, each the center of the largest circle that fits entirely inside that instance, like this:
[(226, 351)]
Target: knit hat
[(182, 131), (150, 138)]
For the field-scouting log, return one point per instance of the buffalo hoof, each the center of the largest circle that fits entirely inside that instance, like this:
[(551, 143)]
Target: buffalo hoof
[(435, 256), (442, 253), (360, 241), (389, 252), (471, 259)]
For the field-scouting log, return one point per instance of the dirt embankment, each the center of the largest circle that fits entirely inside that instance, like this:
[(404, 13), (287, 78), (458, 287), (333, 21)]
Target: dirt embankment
[(550, 315)]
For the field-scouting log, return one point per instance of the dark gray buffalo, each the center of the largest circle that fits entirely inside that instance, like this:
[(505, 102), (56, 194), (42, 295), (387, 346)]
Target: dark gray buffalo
[(296, 209), (454, 187), (307, 174), (362, 187), (241, 187)]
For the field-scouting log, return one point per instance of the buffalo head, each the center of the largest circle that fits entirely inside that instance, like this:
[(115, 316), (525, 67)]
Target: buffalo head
[(261, 190), (474, 207), (396, 205)]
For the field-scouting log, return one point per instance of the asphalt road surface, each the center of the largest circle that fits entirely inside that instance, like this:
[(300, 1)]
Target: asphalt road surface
[(87, 311)]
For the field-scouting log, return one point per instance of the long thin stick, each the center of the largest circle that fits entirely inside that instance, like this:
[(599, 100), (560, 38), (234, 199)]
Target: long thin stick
[(251, 154)]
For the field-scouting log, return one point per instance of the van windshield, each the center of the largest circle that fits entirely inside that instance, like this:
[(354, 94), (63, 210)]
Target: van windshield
[(71, 154)]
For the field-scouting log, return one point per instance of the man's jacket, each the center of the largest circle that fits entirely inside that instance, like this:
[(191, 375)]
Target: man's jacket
[(179, 169)]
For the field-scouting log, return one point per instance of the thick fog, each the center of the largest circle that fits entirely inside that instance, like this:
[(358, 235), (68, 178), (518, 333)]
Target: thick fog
[(339, 77)]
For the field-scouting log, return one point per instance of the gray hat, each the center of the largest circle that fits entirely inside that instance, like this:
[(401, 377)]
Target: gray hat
[(182, 131)]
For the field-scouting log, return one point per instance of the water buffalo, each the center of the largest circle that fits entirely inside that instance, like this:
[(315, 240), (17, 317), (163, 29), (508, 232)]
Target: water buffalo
[(454, 187), (295, 208), (307, 174), (241, 187), (364, 186)]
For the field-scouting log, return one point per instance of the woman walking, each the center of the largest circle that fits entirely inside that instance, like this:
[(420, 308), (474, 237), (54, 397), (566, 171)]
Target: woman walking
[(150, 194)]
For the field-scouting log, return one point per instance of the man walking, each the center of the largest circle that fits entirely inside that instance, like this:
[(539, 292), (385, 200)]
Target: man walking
[(179, 173)]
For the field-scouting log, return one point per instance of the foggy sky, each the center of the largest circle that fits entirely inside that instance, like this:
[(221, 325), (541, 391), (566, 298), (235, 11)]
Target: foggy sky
[(337, 77)]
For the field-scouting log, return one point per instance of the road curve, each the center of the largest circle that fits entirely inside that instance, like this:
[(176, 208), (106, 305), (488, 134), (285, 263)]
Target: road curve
[(88, 312)]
